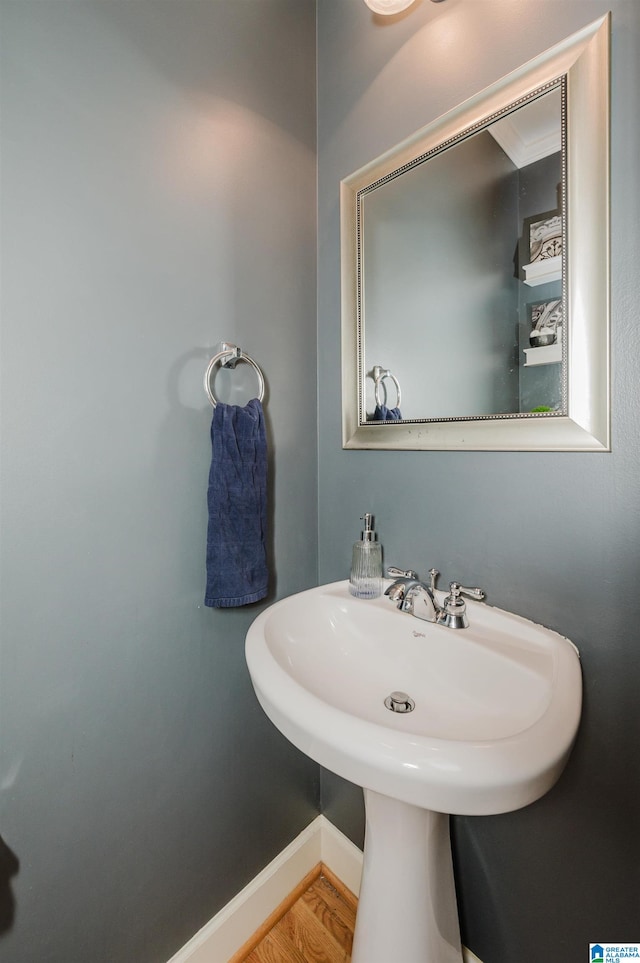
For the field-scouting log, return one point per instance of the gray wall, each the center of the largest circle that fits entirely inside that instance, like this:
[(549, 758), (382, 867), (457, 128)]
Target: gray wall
[(158, 195), (542, 882)]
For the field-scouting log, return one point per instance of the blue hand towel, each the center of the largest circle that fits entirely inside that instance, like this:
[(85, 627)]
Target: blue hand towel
[(237, 499), (382, 413)]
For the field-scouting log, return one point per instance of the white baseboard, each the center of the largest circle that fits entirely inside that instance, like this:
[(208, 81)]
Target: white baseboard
[(236, 922), (340, 855)]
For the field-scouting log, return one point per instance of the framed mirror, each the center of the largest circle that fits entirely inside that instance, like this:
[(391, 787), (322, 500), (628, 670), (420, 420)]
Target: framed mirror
[(475, 269)]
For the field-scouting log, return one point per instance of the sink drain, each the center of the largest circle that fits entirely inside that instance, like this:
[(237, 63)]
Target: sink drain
[(399, 702)]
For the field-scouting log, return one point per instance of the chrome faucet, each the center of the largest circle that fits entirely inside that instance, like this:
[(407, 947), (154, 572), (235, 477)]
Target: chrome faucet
[(417, 598)]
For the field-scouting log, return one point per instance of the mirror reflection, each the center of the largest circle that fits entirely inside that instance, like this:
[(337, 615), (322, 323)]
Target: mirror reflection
[(460, 281)]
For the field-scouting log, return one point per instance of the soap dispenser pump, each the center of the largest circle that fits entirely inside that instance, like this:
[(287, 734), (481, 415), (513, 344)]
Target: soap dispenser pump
[(366, 563)]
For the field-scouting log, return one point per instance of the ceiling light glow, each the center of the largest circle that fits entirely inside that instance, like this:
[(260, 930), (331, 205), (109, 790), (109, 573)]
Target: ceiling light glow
[(387, 7)]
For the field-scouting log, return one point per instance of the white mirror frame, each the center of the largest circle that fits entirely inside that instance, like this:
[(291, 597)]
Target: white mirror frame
[(584, 60)]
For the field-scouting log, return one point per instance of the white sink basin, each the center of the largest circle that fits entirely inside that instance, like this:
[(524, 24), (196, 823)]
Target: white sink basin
[(497, 704), (497, 707)]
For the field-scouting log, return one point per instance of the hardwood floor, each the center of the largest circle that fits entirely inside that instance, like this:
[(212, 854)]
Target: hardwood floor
[(315, 925)]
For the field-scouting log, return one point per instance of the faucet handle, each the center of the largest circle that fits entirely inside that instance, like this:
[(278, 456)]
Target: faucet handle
[(394, 572), (455, 607), (456, 590)]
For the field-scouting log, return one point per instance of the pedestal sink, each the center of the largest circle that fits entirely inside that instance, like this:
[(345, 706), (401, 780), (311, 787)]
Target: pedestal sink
[(497, 707)]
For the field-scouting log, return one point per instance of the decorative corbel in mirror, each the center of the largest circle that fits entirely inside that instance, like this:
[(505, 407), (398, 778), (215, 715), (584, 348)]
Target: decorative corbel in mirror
[(475, 269)]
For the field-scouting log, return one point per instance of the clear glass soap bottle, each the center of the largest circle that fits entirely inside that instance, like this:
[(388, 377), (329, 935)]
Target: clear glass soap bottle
[(365, 581)]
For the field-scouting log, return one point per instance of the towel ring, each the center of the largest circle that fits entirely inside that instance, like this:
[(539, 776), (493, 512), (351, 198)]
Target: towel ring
[(232, 353), (379, 375)]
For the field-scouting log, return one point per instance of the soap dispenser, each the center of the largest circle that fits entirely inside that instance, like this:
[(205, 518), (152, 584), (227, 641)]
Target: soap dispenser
[(366, 564)]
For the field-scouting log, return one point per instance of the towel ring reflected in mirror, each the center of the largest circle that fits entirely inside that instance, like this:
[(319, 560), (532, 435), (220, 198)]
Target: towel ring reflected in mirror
[(228, 358), (379, 375)]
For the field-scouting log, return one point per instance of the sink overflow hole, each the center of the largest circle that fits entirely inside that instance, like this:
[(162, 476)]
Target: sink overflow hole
[(399, 702)]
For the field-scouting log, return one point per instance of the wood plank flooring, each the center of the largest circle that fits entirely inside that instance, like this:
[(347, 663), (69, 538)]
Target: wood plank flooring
[(315, 925)]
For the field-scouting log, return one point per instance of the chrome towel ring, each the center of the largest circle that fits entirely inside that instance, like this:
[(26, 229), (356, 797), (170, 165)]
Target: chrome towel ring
[(379, 375), (228, 356)]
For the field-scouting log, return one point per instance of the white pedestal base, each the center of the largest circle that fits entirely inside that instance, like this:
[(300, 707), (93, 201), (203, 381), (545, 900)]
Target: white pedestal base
[(407, 910)]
